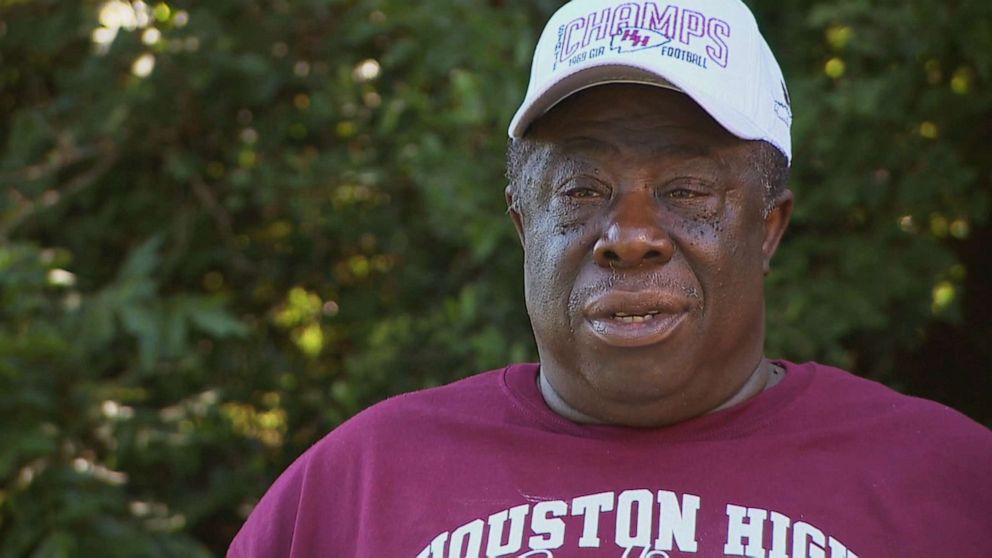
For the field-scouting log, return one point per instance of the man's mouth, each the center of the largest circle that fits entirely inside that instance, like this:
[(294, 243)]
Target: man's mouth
[(637, 330), (635, 319)]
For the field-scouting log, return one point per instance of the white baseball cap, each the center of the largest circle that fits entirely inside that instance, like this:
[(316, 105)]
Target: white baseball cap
[(711, 50)]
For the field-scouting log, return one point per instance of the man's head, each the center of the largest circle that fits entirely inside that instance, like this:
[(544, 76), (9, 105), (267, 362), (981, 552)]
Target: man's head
[(647, 226)]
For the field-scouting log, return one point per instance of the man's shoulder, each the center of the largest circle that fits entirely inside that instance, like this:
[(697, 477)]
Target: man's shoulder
[(879, 412), (865, 394), (455, 398), (476, 398), (402, 437)]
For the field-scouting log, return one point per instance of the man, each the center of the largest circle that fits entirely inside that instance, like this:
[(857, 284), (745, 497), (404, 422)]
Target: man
[(647, 185)]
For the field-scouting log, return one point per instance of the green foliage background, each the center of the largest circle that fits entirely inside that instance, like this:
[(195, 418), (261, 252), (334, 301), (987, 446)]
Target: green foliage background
[(227, 226)]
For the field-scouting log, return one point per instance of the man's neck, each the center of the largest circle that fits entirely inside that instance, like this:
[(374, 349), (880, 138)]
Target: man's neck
[(764, 376)]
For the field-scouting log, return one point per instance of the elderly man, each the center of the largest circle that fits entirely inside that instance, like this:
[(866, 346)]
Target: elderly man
[(648, 169)]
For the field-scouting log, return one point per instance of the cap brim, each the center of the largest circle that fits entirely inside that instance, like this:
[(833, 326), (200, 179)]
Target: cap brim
[(539, 104)]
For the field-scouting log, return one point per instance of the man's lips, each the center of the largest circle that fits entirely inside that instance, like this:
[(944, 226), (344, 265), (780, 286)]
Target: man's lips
[(635, 319)]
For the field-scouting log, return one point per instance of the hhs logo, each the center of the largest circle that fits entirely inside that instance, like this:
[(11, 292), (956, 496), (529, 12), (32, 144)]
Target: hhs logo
[(632, 39)]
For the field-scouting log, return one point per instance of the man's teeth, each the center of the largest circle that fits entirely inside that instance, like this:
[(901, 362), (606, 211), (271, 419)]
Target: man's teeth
[(634, 318)]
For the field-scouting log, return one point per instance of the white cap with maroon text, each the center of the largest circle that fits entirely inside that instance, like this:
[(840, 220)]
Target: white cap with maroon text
[(711, 50)]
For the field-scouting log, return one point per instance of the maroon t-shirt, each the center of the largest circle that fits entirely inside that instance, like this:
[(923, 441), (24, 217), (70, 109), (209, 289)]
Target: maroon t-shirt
[(823, 465)]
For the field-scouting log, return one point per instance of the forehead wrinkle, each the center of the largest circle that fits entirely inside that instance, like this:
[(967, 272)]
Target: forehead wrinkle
[(587, 143), (584, 145), (638, 133)]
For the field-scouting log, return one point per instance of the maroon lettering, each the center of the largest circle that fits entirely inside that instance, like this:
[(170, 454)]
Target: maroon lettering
[(665, 23), (597, 25), (569, 47), (692, 24), (633, 36), (625, 15), (718, 30)]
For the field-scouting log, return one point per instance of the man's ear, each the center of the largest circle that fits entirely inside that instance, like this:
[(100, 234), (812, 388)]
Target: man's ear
[(776, 222), (511, 209)]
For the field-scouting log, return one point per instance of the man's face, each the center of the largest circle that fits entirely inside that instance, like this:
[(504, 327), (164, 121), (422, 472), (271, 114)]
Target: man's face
[(645, 250)]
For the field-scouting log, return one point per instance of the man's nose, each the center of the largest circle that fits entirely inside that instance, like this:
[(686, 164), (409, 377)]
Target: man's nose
[(634, 236)]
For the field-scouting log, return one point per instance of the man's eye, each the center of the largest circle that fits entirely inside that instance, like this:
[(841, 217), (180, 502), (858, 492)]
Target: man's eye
[(687, 188), (582, 193), (584, 188), (683, 193)]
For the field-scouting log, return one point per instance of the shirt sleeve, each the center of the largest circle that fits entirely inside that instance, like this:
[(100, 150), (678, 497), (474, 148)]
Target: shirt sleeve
[(270, 527)]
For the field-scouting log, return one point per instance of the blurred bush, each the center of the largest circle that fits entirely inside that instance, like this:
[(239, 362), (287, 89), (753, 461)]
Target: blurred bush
[(226, 227)]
